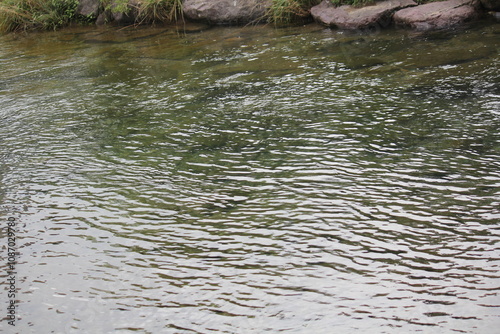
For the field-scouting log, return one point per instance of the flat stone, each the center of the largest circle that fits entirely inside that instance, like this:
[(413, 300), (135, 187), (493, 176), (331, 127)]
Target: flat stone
[(226, 11), (438, 15), (349, 17)]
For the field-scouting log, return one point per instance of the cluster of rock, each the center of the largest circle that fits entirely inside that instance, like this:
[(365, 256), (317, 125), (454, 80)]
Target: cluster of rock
[(225, 12), (404, 13)]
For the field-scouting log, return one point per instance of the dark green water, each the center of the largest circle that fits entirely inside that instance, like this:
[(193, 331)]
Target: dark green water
[(252, 180)]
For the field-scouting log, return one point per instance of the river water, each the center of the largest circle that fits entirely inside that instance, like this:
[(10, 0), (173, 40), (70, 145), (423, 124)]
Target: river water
[(252, 180)]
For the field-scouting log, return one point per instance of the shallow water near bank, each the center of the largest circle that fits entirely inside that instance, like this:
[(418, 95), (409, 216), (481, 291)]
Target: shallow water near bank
[(252, 179)]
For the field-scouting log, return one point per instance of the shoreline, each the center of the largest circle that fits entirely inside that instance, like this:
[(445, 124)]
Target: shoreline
[(374, 16), (413, 14)]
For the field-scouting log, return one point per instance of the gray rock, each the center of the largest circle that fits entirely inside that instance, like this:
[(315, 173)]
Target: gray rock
[(127, 17), (123, 16), (493, 5), (226, 11), (349, 17), (102, 19), (438, 15), (88, 7)]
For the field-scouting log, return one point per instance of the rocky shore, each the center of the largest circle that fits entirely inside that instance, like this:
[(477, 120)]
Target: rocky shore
[(381, 14)]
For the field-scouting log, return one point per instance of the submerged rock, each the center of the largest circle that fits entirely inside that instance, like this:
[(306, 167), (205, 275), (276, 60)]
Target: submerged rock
[(438, 15), (226, 11), (349, 17)]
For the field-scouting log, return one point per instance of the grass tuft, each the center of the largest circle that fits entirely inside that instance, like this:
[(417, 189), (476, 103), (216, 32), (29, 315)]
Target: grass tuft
[(153, 11), (17, 15), (285, 11)]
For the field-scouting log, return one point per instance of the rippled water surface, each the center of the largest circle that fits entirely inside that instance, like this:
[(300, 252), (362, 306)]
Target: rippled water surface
[(252, 180)]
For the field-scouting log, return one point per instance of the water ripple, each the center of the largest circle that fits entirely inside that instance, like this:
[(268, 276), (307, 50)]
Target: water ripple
[(253, 180)]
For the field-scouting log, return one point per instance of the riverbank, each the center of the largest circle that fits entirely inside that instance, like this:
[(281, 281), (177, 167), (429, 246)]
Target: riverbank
[(23, 15)]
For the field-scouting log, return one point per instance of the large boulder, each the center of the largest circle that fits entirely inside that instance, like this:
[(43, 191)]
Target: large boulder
[(438, 15), (491, 4), (349, 17), (226, 11)]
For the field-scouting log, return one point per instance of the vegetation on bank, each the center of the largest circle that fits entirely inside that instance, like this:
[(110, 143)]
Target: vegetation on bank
[(18, 15), (36, 14), (285, 11), (147, 11)]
